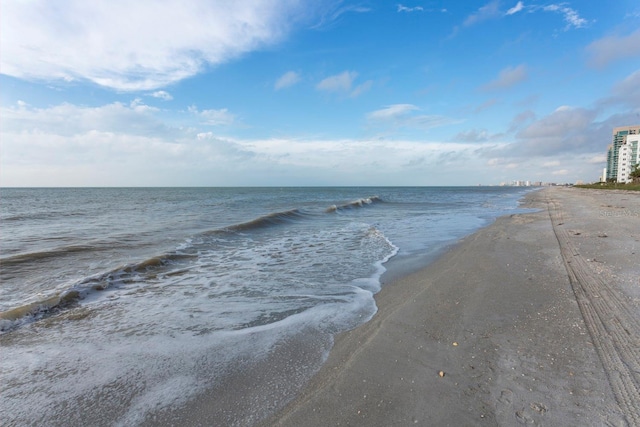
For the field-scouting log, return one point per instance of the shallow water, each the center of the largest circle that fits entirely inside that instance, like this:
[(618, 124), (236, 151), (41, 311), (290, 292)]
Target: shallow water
[(128, 302)]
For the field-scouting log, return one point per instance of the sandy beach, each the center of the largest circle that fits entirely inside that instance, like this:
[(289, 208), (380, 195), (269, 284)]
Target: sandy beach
[(533, 320)]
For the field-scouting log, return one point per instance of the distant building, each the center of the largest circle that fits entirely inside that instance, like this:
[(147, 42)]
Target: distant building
[(628, 156), (620, 136)]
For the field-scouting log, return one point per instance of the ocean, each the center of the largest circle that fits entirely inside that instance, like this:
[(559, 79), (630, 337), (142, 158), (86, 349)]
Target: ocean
[(119, 306)]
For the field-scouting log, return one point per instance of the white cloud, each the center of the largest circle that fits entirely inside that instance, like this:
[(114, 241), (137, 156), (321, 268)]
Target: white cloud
[(118, 144), (392, 112), (162, 95), (630, 86), (129, 144), (355, 159), (492, 10), (288, 79), (625, 93), (136, 46), (614, 48), (486, 105), (67, 119), (575, 139), (597, 159), (334, 12), (507, 77), (402, 8), (343, 83), (110, 145), (139, 106), (515, 9), (220, 117), (501, 163), (566, 130), (561, 123), (488, 11), (521, 119), (571, 16), (402, 115), (361, 88), (475, 135), (632, 15), (338, 83)]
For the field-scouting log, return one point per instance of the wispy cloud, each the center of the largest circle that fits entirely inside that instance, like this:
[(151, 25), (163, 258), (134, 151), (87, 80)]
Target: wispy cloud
[(344, 83), (405, 116), (507, 78), (338, 83), (614, 48), (521, 120), (332, 12), (475, 135), (402, 8), (392, 112), (489, 11), (571, 16), (136, 48), (288, 79), (629, 86), (486, 12), (361, 88), (597, 159), (485, 105), (515, 9), (633, 15), (220, 117), (626, 93), (407, 9)]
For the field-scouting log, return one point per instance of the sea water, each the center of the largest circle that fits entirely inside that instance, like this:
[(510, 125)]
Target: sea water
[(120, 305)]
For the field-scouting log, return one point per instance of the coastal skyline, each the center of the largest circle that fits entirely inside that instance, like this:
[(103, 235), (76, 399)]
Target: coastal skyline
[(313, 93)]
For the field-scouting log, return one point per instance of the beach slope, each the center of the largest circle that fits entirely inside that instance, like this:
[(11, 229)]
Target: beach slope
[(532, 320)]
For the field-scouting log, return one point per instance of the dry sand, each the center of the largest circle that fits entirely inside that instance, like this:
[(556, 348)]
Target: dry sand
[(533, 320)]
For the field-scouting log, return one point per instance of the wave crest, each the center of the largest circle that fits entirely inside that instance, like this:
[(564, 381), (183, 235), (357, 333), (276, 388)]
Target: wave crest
[(358, 203)]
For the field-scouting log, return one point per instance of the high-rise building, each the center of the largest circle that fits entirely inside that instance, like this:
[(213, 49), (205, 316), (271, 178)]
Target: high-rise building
[(620, 135), (628, 156)]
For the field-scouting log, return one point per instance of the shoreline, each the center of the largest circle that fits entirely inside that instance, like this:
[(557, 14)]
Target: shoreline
[(492, 332), (401, 265)]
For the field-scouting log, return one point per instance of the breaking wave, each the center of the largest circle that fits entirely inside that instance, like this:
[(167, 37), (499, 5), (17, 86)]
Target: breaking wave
[(359, 203), (170, 264)]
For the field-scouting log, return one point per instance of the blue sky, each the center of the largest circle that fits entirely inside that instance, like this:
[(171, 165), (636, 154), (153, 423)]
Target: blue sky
[(286, 92)]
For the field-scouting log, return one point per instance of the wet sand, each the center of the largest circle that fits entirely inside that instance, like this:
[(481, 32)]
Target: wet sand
[(533, 320)]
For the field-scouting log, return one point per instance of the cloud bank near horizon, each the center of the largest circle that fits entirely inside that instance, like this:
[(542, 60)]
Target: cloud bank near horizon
[(130, 144)]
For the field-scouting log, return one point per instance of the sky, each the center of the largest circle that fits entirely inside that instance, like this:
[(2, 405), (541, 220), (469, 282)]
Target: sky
[(313, 93)]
